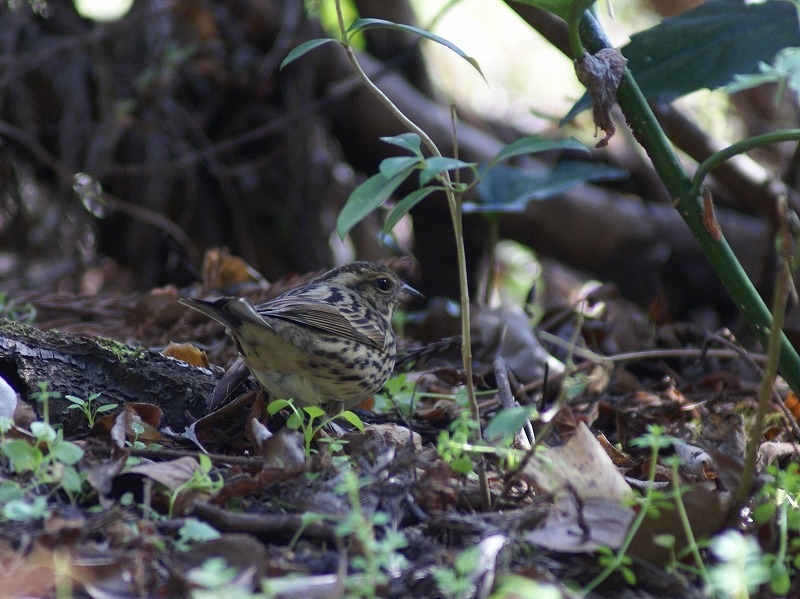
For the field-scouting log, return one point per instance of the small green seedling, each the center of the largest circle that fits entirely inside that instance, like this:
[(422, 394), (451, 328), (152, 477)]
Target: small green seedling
[(86, 406), (311, 419)]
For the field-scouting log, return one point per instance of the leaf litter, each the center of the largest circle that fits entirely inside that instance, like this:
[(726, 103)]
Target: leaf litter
[(233, 500)]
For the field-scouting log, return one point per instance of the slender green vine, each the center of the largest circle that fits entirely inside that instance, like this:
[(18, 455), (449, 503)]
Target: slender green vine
[(454, 205)]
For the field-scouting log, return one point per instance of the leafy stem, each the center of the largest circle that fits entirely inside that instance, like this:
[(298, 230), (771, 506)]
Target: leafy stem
[(697, 212), (454, 205)]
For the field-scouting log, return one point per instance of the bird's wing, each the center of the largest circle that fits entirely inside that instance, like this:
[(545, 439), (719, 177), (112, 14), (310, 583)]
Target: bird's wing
[(325, 317)]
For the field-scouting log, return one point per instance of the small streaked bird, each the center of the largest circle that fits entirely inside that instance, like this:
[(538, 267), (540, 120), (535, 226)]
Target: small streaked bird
[(328, 343)]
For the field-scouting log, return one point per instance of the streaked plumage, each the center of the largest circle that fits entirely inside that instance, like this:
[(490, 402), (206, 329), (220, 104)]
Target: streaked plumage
[(328, 343)]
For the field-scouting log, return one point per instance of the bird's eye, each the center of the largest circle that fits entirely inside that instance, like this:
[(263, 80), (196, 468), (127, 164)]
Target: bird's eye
[(383, 284)]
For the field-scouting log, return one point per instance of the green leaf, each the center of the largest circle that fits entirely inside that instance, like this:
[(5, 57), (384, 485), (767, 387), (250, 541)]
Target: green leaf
[(107, 408), (780, 583), (462, 465), (742, 82), (507, 422), (763, 513), (353, 419), (365, 24), (628, 575), (195, 530), (366, 198), (22, 454), (706, 47), (314, 412), (786, 68), (405, 205), (534, 144), (66, 452), (509, 189), (205, 462), (276, 406), (407, 141), (10, 490), (21, 511), (295, 421), (43, 432), (394, 166), (72, 480), (76, 401), (305, 48), (439, 164)]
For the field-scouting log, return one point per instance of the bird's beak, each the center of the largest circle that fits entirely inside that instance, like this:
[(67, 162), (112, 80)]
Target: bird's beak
[(407, 292)]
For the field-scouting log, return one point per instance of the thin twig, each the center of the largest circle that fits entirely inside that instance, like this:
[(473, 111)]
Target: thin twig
[(67, 176)]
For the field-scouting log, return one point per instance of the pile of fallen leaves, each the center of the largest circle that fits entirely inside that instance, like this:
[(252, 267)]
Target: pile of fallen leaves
[(612, 455)]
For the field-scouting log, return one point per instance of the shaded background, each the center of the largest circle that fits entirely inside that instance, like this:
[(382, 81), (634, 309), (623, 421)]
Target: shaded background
[(187, 135)]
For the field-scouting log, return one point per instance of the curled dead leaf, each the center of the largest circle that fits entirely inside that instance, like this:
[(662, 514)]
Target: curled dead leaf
[(601, 73)]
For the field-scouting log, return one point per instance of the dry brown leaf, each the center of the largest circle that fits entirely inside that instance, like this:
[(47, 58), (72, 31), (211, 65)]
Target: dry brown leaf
[(186, 352), (581, 465), (770, 452), (221, 270), (724, 431), (241, 552), (171, 474), (507, 332), (601, 73), (577, 527), (706, 512), (27, 574), (284, 450), (394, 435)]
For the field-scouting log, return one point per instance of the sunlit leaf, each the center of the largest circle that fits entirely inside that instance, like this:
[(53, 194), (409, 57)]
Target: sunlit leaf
[(22, 454), (21, 511), (195, 530), (786, 68), (295, 421), (276, 406), (365, 24), (706, 48), (314, 411), (353, 419), (43, 432)]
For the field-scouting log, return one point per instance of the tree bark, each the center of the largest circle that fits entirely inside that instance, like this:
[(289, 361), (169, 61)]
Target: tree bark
[(78, 365)]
